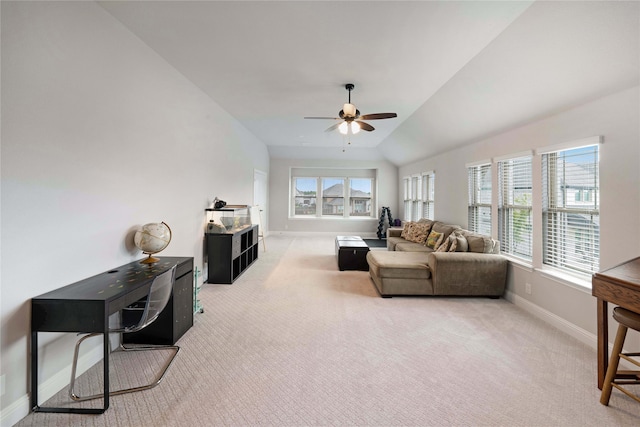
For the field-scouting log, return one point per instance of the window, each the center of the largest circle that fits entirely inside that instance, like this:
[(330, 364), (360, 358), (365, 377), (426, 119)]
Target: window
[(360, 196), (571, 209), (412, 192), (514, 207), (416, 192), (418, 196), (480, 199), (408, 200), (333, 196), (305, 190), (428, 192), (331, 193)]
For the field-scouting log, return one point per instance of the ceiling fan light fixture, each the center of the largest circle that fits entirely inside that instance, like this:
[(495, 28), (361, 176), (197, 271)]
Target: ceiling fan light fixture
[(349, 110), (349, 114), (343, 128)]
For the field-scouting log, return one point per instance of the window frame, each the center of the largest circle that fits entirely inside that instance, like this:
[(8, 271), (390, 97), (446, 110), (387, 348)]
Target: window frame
[(475, 203), (560, 219), (428, 195), (406, 197), (513, 231), (320, 176), (353, 198), (294, 194), (419, 196)]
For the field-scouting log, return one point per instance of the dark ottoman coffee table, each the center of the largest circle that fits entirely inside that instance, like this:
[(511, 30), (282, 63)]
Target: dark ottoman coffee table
[(351, 252)]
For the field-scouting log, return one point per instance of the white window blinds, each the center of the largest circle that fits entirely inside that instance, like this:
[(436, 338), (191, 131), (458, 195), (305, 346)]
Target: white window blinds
[(406, 184), (418, 196), (416, 191), (514, 207), (480, 199), (571, 209), (428, 192)]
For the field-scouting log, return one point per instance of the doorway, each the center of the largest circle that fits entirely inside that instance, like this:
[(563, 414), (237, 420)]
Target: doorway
[(260, 212)]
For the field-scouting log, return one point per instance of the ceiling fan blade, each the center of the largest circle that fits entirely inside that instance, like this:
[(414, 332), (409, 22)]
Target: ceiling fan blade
[(378, 116), (329, 129), (365, 126), (328, 118)]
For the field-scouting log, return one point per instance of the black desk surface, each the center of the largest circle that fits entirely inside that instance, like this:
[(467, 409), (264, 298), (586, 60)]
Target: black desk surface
[(85, 306), (70, 308)]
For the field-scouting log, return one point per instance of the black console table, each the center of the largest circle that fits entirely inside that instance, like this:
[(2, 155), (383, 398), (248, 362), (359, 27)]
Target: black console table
[(85, 306)]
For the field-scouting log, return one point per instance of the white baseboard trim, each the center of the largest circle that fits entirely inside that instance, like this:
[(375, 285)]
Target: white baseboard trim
[(363, 234), (22, 407), (15, 412), (564, 325)]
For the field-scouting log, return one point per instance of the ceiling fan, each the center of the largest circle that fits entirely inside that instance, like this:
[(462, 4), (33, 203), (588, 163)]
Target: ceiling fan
[(351, 118)]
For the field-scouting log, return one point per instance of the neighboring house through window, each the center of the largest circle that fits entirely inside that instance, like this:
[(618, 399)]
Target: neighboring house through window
[(333, 196), (360, 190), (571, 208), (342, 193), (305, 195)]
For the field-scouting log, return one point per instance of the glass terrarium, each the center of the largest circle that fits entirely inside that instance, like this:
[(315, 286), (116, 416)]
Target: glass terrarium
[(229, 219)]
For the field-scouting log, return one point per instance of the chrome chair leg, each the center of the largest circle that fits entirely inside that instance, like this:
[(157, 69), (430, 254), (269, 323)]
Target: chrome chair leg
[(151, 385), (74, 366)]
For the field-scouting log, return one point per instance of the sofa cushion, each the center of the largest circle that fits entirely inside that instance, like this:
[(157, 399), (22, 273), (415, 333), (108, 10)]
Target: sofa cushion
[(461, 242), (443, 228), (479, 243), (444, 246), (395, 265), (426, 221), (406, 228), (411, 247), (434, 239), (453, 243), (418, 232), (393, 241)]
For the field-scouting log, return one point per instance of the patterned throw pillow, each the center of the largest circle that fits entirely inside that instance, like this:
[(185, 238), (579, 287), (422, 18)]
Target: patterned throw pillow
[(444, 246), (418, 233), (453, 242), (407, 228), (434, 240)]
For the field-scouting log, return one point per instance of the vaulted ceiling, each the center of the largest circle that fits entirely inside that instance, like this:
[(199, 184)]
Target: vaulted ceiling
[(454, 72)]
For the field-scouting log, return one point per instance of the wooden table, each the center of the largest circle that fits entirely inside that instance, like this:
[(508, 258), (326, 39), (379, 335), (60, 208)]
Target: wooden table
[(619, 285)]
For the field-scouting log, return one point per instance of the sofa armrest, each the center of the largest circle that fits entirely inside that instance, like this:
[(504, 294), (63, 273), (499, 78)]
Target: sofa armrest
[(468, 273), (394, 232)]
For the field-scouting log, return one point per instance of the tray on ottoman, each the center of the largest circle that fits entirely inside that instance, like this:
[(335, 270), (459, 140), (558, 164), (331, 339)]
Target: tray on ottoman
[(351, 252)]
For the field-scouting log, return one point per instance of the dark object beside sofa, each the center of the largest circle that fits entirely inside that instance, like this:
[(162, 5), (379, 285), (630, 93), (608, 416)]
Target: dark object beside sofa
[(418, 262), (351, 252)]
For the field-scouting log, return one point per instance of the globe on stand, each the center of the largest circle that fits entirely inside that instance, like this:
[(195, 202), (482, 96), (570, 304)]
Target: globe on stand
[(151, 239)]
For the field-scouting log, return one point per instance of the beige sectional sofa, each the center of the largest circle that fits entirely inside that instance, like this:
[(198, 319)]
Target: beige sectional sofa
[(434, 258)]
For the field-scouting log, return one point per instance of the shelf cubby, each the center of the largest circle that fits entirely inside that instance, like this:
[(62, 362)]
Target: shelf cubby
[(230, 254)]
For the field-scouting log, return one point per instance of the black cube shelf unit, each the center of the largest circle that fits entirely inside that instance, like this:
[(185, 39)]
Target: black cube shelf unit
[(230, 254)]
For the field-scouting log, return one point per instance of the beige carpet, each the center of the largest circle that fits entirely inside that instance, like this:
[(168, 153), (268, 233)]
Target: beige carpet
[(296, 342)]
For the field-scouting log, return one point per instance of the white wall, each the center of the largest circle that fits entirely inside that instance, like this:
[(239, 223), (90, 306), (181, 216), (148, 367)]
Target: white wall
[(616, 118), (279, 183), (99, 136)]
